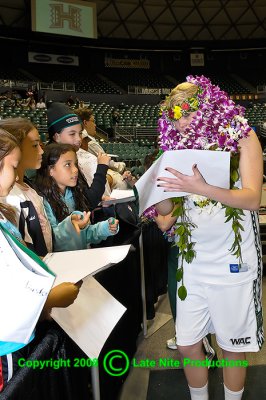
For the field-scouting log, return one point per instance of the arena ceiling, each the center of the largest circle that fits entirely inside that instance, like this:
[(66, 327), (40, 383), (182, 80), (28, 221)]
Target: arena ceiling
[(182, 20), (164, 20)]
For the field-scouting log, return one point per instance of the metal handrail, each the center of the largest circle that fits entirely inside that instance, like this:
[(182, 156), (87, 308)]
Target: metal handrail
[(102, 132), (131, 132)]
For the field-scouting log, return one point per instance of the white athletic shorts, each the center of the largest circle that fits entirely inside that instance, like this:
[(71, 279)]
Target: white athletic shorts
[(233, 313)]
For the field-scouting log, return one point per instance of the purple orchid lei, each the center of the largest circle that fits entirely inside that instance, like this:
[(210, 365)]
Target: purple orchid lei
[(219, 124)]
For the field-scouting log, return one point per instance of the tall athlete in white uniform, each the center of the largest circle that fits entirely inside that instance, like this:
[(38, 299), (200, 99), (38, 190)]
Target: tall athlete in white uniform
[(224, 296)]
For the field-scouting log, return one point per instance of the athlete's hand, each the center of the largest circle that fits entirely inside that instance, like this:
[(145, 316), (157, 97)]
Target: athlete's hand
[(183, 183)]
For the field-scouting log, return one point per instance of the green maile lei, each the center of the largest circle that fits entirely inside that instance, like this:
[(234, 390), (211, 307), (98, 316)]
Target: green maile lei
[(184, 227)]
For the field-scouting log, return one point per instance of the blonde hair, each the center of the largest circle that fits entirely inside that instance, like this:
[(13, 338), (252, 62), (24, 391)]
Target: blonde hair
[(180, 93)]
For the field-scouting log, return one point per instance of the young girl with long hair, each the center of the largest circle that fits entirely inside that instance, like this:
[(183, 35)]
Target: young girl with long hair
[(60, 296), (64, 126), (57, 180), (30, 214)]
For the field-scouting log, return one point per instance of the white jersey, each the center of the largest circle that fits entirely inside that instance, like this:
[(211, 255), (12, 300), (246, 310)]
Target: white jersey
[(214, 263)]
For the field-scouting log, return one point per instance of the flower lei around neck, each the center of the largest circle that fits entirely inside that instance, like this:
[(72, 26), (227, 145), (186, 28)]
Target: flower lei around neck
[(218, 125)]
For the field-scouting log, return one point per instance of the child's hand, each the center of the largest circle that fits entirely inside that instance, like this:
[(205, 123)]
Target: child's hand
[(62, 295), (129, 178), (107, 198), (80, 220), (65, 294), (113, 224), (103, 159)]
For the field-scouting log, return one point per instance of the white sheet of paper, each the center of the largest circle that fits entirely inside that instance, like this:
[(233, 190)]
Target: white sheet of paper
[(213, 165), (120, 196), (72, 266), (24, 287), (112, 155), (91, 318)]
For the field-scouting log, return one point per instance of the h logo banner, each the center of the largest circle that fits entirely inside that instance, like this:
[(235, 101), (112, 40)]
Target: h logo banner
[(58, 16), (65, 17)]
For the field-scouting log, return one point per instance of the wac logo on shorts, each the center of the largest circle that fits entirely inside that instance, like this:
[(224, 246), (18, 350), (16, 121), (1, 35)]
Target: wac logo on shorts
[(242, 340)]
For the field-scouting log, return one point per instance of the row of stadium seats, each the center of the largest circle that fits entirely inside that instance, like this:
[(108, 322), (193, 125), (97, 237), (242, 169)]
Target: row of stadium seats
[(256, 77), (227, 83), (256, 114), (145, 115), (137, 77), (112, 80), (131, 153), (130, 115)]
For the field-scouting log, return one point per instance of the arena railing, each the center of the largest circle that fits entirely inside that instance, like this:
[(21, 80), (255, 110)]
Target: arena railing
[(131, 133)]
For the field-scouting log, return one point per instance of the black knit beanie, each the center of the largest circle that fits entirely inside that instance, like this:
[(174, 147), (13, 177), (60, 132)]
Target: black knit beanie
[(60, 116)]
